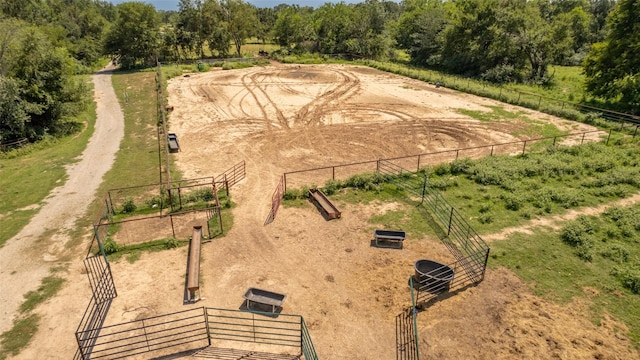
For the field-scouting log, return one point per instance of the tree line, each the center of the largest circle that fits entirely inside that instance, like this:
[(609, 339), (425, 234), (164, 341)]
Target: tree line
[(44, 43)]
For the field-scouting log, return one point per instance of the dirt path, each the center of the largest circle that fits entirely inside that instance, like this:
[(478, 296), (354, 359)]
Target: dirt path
[(26, 258), (556, 222)]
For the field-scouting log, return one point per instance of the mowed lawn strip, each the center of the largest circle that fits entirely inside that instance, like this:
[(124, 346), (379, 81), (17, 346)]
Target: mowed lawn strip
[(137, 162)]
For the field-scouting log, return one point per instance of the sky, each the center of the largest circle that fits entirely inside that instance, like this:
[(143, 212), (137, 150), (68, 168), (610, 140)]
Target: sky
[(173, 4)]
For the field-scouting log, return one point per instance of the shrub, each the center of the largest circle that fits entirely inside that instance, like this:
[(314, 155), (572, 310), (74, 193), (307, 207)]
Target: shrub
[(292, 194), (512, 201), (110, 247), (172, 243), (129, 206), (578, 232), (616, 253), (585, 251), (630, 278), (441, 169), (332, 186), (485, 218), (460, 166)]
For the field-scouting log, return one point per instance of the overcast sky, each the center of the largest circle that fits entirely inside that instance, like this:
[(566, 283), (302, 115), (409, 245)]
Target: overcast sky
[(173, 4)]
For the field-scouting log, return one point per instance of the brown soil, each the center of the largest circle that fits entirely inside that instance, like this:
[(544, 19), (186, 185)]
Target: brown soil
[(283, 118)]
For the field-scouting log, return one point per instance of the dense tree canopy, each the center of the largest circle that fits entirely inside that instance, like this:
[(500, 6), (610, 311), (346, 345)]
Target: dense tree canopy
[(134, 38), (613, 67)]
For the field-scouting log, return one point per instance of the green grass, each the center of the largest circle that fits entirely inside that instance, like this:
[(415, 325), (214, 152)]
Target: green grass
[(133, 252), (49, 287), (408, 218), (29, 174), (530, 128), (567, 84), (18, 336), (253, 46), (504, 191), (137, 162), (553, 271), (15, 339)]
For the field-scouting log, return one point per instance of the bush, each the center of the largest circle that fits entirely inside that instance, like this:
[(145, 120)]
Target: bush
[(616, 253), (585, 251), (512, 201), (292, 194), (172, 243), (441, 169), (460, 166), (630, 278), (578, 232), (129, 206), (110, 247), (332, 186), (485, 218)]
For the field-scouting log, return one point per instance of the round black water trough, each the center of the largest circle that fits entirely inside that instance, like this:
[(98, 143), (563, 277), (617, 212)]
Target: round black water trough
[(433, 276)]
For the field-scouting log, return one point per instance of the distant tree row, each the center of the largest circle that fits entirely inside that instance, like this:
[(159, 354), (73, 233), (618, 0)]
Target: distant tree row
[(44, 43), (495, 40)]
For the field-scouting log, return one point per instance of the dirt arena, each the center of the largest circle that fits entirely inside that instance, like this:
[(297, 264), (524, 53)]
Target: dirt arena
[(282, 118)]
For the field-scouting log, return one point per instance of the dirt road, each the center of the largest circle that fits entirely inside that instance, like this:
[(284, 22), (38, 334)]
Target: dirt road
[(25, 258)]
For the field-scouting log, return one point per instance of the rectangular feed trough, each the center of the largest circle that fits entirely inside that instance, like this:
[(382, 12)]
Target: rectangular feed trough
[(324, 205), (264, 297), (389, 238), (173, 144)]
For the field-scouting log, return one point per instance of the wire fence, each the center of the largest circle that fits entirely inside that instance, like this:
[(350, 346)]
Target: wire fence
[(320, 175)]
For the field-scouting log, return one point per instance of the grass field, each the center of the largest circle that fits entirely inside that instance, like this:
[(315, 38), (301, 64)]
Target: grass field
[(555, 271)]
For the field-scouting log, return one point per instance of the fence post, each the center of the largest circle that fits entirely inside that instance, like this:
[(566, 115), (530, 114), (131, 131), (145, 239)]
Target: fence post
[(554, 140), (146, 340), (284, 182), (539, 101), (80, 349), (111, 203), (609, 137), (582, 141), (486, 260), (424, 189), (333, 173), (635, 131), (457, 152), (226, 186), (418, 169), (450, 220), (173, 230), (524, 146), (206, 324), (491, 150)]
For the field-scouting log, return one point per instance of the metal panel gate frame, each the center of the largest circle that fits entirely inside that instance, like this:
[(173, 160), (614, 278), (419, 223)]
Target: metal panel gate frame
[(195, 328), (276, 200)]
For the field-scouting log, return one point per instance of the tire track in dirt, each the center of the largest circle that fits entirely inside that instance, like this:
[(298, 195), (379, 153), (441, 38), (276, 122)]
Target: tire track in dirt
[(311, 113), (252, 85)]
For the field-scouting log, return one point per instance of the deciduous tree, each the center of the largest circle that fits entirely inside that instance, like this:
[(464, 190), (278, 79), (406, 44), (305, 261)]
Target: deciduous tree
[(612, 68)]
